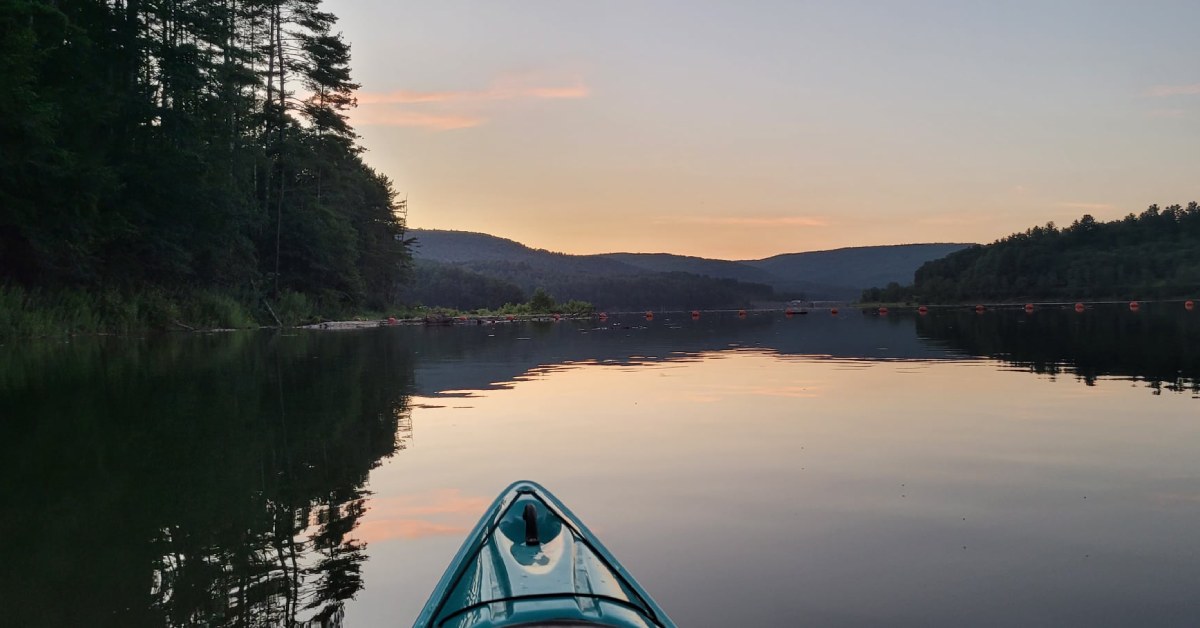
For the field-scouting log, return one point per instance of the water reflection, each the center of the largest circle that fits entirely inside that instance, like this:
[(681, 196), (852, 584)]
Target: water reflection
[(209, 481), (1154, 345), (222, 480)]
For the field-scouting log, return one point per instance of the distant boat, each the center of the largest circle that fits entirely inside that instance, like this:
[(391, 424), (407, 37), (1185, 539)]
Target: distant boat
[(530, 562)]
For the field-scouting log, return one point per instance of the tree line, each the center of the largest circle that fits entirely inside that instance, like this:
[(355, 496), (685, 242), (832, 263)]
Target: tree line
[(1154, 254), (199, 145), (493, 284)]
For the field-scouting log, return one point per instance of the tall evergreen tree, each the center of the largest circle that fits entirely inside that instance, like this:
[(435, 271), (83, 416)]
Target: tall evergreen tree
[(195, 145)]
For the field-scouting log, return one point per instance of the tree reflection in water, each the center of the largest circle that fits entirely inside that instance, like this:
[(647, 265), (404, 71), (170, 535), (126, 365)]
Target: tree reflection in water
[(1156, 344), (207, 480)]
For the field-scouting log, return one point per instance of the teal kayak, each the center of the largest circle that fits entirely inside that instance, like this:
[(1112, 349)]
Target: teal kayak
[(531, 562)]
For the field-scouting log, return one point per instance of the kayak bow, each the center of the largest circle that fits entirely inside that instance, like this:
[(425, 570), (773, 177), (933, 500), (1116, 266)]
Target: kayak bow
[(531, 562)]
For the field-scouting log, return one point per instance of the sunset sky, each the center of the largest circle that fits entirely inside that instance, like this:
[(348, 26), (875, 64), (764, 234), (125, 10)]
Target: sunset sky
[(746, 129)]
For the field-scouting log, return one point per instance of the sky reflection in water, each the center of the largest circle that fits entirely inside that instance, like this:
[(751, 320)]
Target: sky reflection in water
[(907, 484), (1003, 469)]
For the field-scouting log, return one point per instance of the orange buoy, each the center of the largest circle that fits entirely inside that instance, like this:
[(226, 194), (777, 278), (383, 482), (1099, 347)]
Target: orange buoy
[(603, 316), (695, 315), (789, 313), (1134, 305), (649, 316), (557, 317), (1189, 305), (923, 309), (833, 311), (510, 318), (463, 317), (1028, 307), (1079, 307), (742, 313), (391, 320), (883, 311), (979, 309)]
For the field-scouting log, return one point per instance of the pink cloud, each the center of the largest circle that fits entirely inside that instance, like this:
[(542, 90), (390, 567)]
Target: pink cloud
[(448, 110), (499, 91), (1160, 91), (375, 116)]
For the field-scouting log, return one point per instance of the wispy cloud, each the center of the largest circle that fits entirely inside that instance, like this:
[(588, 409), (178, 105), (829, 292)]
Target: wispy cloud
[(499, 91), (458, 109), (1085, 206), (747, 221), (1162, 91), (378, 116)]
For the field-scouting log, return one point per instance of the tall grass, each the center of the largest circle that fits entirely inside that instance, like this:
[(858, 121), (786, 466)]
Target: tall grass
[(69, 311)]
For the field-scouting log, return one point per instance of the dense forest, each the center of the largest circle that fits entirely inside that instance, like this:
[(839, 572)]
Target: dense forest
[(1155, 254), (492, 284), (185, 148)]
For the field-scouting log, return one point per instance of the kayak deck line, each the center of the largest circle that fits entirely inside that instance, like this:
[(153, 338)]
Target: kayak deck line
[(531, 562)]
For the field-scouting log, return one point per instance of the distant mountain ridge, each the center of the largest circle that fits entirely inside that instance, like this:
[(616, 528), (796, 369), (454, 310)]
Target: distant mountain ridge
[(838, 274)]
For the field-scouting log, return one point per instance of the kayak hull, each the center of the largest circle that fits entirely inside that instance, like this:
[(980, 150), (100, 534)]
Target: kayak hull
[(531, 562)]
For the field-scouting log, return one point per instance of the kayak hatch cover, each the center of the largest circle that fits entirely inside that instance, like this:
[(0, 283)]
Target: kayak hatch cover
[(531, 562)]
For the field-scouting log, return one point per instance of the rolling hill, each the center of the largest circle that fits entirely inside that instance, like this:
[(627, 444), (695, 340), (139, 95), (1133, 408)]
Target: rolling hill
[(852, 267), (840, 274)]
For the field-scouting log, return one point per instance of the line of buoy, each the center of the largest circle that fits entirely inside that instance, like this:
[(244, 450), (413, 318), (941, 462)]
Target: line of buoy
[(741, 313), (695, 315), (1028, 308), (979, 309), (649, 316), (883, 311), (923, 310), (1134, 306), (1189, 305), (1079, 307)]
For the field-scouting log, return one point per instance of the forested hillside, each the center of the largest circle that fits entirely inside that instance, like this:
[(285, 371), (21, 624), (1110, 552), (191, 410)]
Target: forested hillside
[(1152, 254), (491, 285), (474, 270), (667, 263), (188, 147), (840, 274), (853, 267)]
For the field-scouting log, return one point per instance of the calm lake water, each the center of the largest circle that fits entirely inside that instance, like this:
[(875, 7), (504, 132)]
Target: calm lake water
[(855, 470)]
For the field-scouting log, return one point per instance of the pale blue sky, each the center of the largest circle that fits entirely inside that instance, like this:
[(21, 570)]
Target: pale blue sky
[(745, 129)]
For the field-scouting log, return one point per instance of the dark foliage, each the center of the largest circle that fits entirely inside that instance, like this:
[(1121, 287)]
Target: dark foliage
[(168, 144), (1155, 254), (447, 285)]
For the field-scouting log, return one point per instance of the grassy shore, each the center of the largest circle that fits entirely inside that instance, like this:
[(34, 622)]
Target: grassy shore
[(72, 311)]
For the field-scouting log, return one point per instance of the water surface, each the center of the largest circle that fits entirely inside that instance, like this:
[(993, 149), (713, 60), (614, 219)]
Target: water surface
[(850, 470)]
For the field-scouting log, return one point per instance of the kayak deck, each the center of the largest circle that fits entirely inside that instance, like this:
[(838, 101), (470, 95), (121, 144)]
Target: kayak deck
[(531, 562)]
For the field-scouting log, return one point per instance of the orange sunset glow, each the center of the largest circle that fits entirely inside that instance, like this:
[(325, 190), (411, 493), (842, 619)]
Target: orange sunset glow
[(743, 131)]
